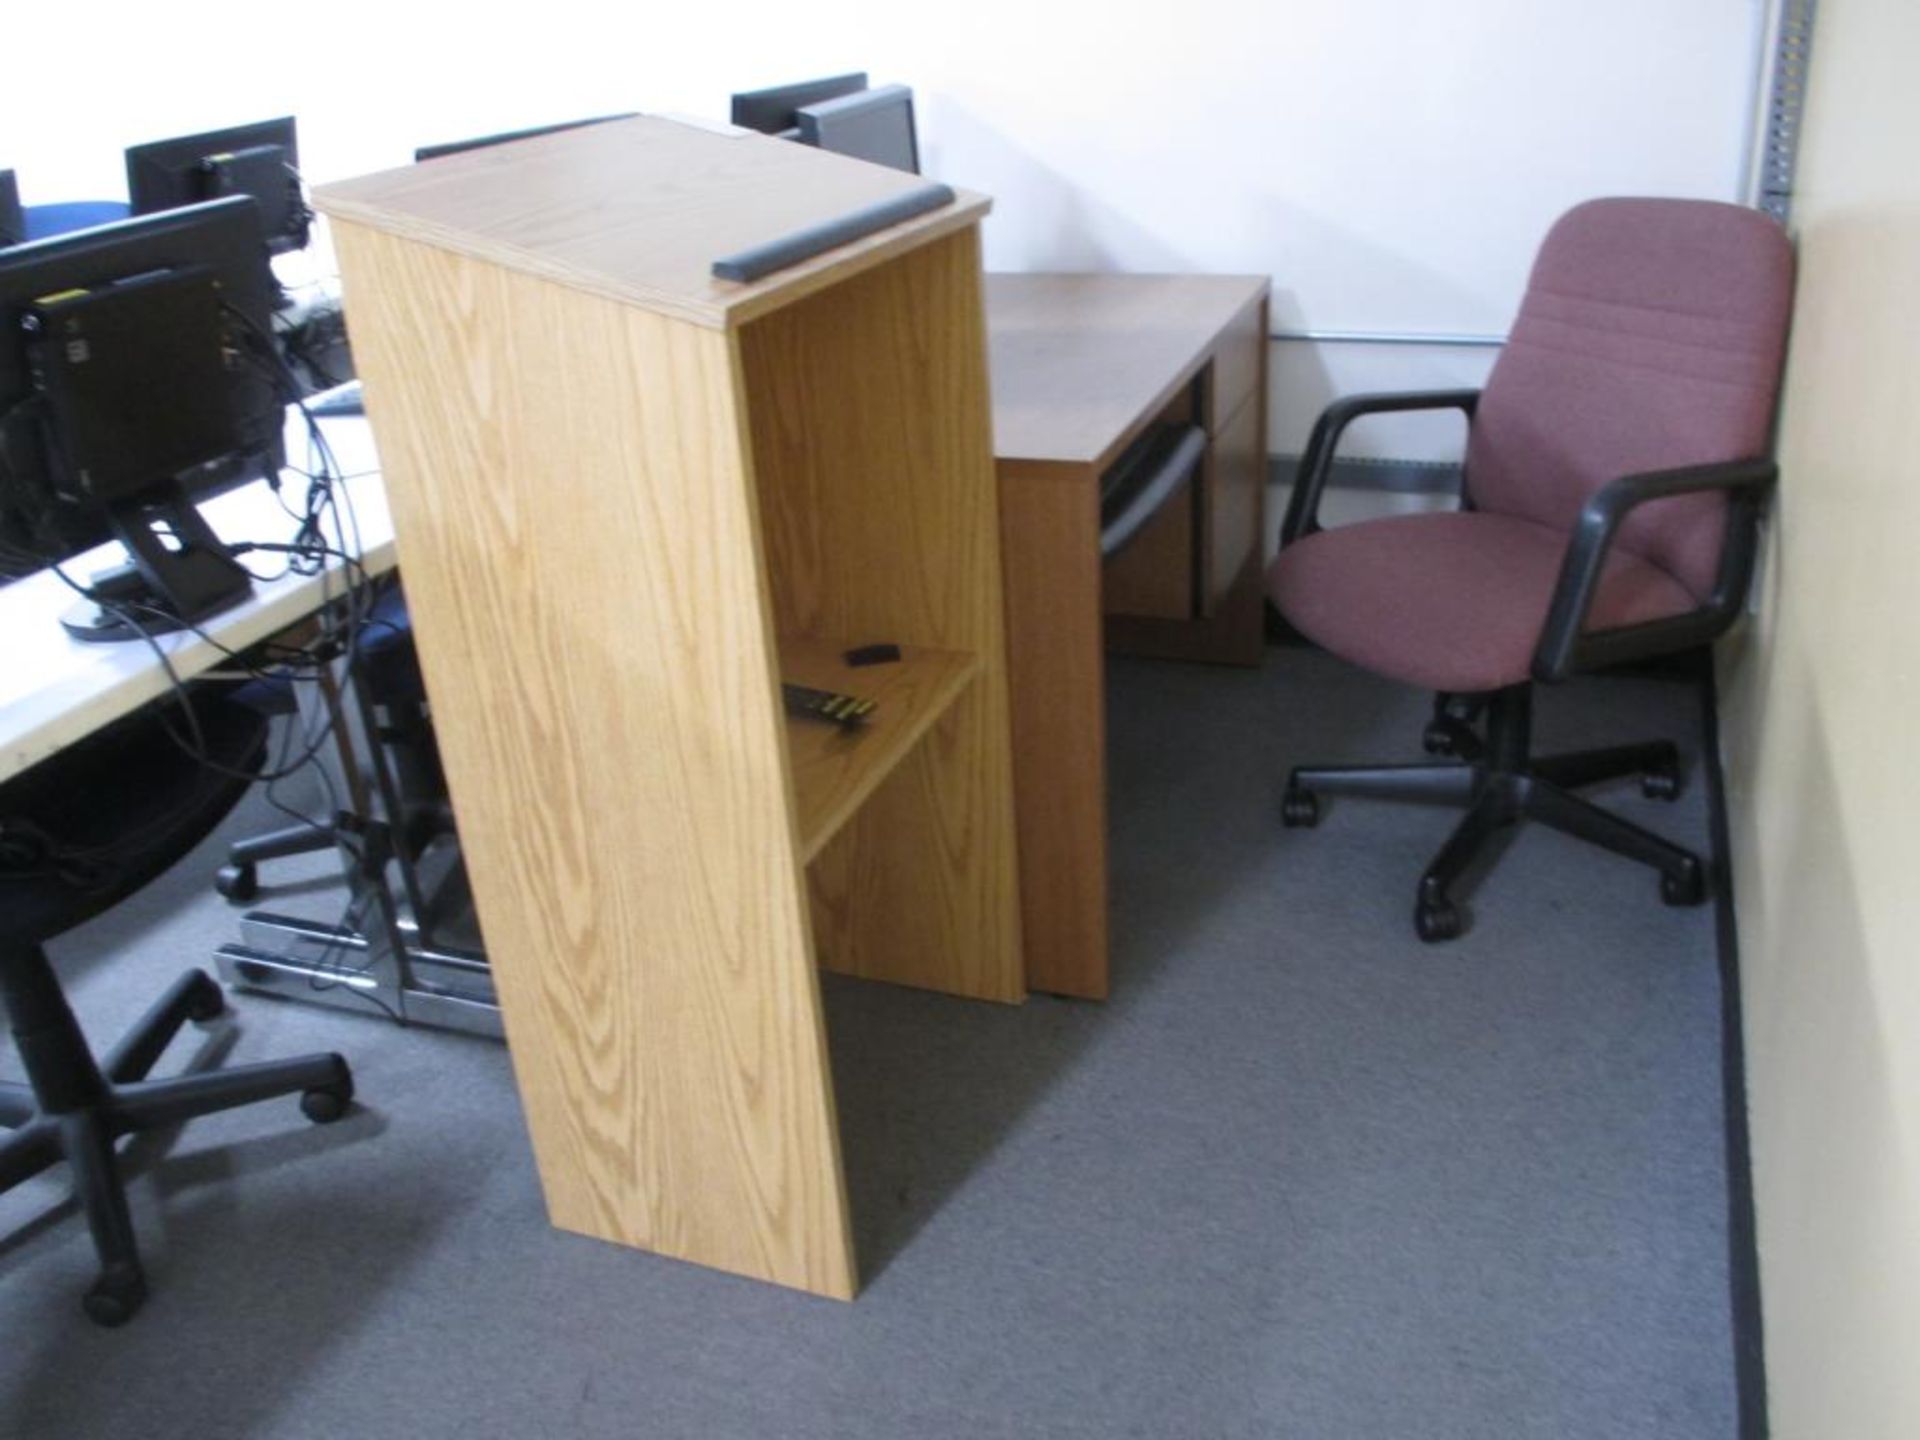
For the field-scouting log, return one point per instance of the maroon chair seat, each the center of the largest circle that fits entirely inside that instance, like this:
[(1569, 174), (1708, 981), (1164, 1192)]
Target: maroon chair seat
[(1614, 473), (1452, 601)]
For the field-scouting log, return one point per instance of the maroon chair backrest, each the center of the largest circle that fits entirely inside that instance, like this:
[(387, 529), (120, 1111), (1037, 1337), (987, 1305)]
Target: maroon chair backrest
[(1651, 336)]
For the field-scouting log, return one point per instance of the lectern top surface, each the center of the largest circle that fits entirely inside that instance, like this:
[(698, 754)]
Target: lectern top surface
[(638, 210)]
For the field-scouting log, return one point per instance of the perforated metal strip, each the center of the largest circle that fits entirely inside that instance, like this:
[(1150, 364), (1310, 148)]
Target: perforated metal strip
[(1786, 101)]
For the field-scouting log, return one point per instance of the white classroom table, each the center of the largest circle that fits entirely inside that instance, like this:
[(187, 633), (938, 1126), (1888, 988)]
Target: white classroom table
[(55, 690)]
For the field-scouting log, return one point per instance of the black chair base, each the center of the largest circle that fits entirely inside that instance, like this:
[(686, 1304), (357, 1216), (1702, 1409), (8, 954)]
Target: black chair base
[(239, 879), (1499, 784), (76, 1109)]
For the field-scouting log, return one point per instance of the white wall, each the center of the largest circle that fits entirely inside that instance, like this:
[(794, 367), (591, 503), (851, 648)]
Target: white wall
[(1820, 698), (1392, 163)]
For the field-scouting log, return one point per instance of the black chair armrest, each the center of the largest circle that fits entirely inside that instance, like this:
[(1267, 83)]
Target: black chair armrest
[(1303, 509), (1565, 643)]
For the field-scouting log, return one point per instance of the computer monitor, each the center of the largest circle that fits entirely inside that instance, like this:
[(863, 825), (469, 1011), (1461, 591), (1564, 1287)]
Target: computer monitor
[(775, 111), (134, 380), (260, 161), (455, 147), (13, 220), (874, 125)]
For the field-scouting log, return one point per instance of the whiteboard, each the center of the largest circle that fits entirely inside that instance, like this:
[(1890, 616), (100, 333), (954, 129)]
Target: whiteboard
[(1391, 164)]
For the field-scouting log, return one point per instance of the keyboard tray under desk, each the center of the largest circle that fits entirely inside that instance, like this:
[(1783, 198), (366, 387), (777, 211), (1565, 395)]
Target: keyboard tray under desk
[(1152, 515), (1156, 468)]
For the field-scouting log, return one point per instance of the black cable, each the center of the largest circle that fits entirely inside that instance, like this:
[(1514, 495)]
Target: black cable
[(322, 502), (126, 611), (309, 546), (326, 543), (295, 727), (344, 618), (295, 663), (31, 519), (338, 974)]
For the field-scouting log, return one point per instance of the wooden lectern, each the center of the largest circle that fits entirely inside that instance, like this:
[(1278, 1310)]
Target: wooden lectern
[(630, 499)]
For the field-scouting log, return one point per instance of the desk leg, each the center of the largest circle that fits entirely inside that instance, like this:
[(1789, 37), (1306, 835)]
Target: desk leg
[(1050, 548)]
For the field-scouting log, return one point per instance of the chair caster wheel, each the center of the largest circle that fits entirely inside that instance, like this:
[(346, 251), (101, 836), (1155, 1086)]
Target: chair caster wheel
[(238, 883), (114, 1299), (325, 1104), (1687, 888), (1437, 738), (1663, 784), (206, 1001), (1299, 809), (1438, 921)]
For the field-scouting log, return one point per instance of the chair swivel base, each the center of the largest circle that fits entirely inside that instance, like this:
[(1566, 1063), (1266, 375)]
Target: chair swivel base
[(239, 879), (76, 1109), (1503, 785)]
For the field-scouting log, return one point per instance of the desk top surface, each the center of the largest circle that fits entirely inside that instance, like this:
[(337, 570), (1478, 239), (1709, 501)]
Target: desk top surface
[(55, 690), (1078, 360), (638, 210)]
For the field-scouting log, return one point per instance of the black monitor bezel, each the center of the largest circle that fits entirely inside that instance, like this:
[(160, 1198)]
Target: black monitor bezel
[(815, 121), (775, 111), (168, 174), (222, 234), (13, 216)]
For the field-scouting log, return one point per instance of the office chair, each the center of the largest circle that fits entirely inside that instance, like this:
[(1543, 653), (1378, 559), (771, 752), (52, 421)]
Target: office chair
[(389, 668), (1615, 469), (64, 216), (390, 671), (79, 832)]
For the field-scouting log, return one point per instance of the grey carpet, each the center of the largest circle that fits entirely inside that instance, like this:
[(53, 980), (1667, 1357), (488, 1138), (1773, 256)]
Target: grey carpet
[(1302, 1177)]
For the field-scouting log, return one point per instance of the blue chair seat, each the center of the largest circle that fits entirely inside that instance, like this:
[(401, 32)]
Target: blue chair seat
[(45, 220)]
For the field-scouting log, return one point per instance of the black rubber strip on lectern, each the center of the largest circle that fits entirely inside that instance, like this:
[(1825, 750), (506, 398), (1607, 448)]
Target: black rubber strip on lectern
[(763, 260)]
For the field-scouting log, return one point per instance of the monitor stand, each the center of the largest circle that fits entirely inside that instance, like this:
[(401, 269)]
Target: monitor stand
[(180, 572)]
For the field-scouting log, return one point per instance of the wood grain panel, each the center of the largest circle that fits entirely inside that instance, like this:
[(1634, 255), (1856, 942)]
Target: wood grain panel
[(1050, 529), (882, 911), (836, 768), (1235, 474), (1080, 362), (1233, 635), (1154, 574), (1239, 364), (1232, 628), (879, 514), (638, 210), (1081, 365), (577, 527)]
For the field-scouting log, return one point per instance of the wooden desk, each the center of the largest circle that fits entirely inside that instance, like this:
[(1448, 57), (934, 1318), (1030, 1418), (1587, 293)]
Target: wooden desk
[(1082, 366), (628, 498)]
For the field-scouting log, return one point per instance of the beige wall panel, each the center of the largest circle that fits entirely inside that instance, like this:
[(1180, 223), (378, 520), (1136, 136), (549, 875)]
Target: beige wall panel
[(1821, 699)]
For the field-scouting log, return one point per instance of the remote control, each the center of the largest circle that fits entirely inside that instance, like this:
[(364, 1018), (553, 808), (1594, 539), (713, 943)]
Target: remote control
[(812, 704)]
